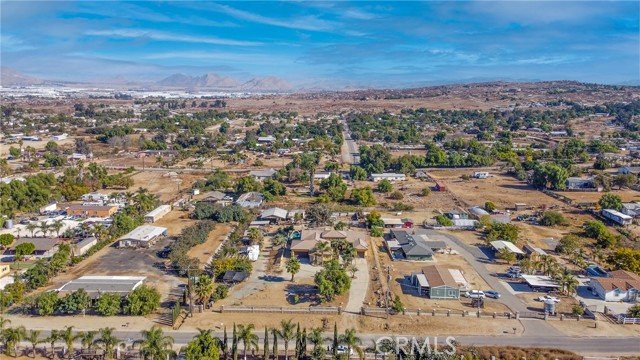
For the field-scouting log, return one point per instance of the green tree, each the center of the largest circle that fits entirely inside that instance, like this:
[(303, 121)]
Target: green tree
[(69, 337), (46, 303), (293, 266), (374, 219), (489, 206), (334, 187), (363, 196), (204, 288), (352, 342), (286, 334), (626, 259), (444, 221), (87, 339), (610, 201), (376, 232), (203, 346), (569, 244), (108, 304), (154, 344), (52, 146), (385, 186), (425, 191), (317, 340), (34, 339), (23, 250), (6, 239), (601, 164), (143, 300), (247, 184), (248, 338), (398, 306), (552, 218), (332, 280), (625, 180), (32, 227), (507, 255), (500, 231), (107, 342), (54, 336), (12, 337), (634, 311), (358, 173), (319, 214)]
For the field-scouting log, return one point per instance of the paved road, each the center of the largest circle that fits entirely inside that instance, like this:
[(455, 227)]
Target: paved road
[(349, 149), (358, 291), (474, 256), (614, 345)]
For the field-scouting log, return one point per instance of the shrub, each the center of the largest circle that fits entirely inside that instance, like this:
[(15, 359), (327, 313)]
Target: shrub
[(425, 191), (577, 310), (489, 206), (552, 218), (376, 232), (396, 195), (444, 221)]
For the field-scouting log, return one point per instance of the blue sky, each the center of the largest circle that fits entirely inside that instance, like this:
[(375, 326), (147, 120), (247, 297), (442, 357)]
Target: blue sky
[(331, 44)]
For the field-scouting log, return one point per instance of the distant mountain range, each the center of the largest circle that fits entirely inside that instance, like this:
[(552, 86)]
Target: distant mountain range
[(10, 77)]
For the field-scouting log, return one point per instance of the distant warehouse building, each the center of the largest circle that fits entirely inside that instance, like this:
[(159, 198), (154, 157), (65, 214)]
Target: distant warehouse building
[(157, 213), (95, 286), (142, 236), (388, 176), (617, 217)]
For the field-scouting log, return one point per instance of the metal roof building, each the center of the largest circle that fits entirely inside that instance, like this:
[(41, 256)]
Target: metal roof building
[(97, 285), (142, 236)]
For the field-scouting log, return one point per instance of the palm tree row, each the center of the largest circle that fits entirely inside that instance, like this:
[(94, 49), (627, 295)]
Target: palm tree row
[(12, 336)]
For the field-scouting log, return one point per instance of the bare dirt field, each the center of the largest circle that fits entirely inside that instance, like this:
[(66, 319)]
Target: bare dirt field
[(175, 221), (203, 252), (163, 185), (504, 191), (627, 195)]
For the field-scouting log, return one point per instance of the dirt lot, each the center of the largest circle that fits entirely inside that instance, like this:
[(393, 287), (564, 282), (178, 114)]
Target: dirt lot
[(203, 252), (627, 195), (504, 191), (175, 221), (162, 184)]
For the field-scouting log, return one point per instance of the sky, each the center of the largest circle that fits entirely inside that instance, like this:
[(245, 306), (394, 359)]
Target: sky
[(325, 44)]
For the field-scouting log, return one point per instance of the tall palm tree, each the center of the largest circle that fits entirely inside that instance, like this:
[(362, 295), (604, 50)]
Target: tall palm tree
[(107, 341), (34, 339), (54, 336), (204, 288), (321, 248), (32, 227), (69, 338), (87, 339), (549, 264), (316, 339), (352, 342), (286, 333), (248, 338), (57, 226), (274, 333), (44, 228), (154, 344), (12, 337)]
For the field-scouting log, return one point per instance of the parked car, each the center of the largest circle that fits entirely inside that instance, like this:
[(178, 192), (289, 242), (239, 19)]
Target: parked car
[(475, 294), (24, 221), (35, 218), (548, 297), (492, 294), (341, 350)]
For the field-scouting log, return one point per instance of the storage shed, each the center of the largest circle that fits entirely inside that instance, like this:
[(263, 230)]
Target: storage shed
[(157, 213)]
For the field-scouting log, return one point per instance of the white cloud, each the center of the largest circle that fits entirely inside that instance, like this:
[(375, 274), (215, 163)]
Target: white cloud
[(301, 23), (161, 36), (12, 43)]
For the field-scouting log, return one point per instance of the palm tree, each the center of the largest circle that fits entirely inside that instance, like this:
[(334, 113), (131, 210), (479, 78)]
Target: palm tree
[(248, 338), (255, 235), (3, 323), (107, 342), (316, 339), (293, 266), (51, 339), (34, 339), (352, 342), (278, 241), (56, 226), (32, 227), (321, 248), (286, 333), (274, 333), (12, 337), (549, 264), (87, 339), (44, 228), (69, 337), (308, 162), (154, 344), (204, 288)]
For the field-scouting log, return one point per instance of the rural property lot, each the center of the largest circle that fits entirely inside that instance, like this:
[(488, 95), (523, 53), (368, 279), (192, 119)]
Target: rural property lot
[(205, 251)]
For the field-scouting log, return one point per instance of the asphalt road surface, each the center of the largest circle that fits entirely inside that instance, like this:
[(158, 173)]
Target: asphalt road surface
[(617, 345), (350, 152)]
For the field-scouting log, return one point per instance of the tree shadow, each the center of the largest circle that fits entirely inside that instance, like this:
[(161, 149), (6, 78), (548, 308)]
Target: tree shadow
[(302, 293), (271, 278)]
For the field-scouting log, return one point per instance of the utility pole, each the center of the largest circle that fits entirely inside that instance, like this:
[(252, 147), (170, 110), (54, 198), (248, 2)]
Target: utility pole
[(190, 292)]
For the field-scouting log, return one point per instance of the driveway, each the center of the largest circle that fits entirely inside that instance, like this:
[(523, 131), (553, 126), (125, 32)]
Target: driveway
[(595, 303), (475, 256), (359, 287), (255, 282)]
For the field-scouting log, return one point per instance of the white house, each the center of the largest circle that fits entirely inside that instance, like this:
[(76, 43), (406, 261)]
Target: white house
[(388, 176), (94, 196), (631, 209), (480, 174), (617, 217), (59, 137), (251, 199), (321, 175), (621, 286), (261, 175), (266, 140), (142, 236)]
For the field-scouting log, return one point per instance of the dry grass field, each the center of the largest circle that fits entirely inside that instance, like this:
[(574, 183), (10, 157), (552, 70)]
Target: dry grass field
[(203, 252)]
